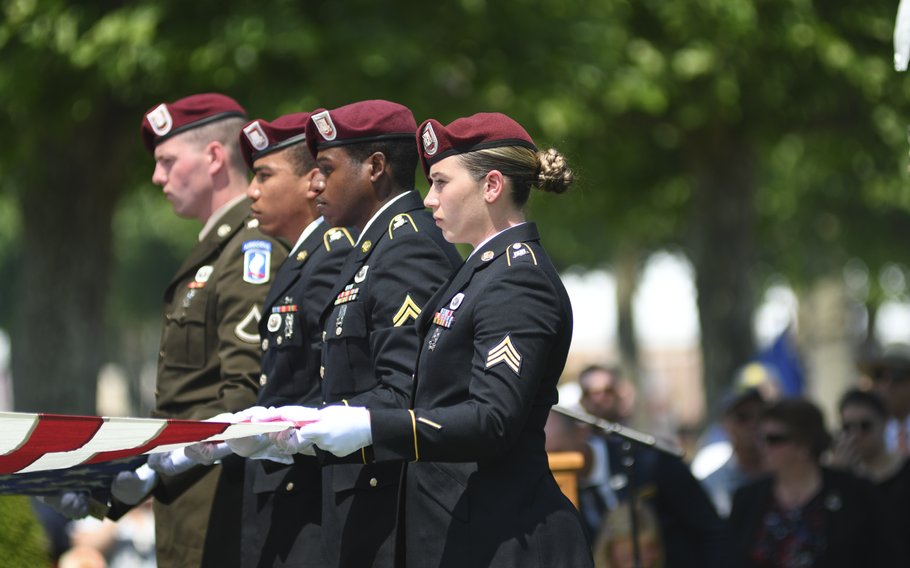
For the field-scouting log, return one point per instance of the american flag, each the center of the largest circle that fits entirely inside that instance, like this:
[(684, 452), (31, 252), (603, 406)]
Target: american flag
[(44, 453)]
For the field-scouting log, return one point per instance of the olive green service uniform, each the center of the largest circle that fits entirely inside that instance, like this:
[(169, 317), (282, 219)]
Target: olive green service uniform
[(282, 507), (209, 364), (369, 355)]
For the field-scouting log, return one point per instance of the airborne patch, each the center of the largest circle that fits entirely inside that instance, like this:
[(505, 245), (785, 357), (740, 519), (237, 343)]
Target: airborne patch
[(407, 310), (256, 258), (505, 352)]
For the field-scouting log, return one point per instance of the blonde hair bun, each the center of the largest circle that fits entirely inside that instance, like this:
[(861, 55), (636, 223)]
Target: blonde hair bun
[(554, 176)]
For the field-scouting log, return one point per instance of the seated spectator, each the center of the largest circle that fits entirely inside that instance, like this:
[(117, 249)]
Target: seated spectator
[(741, 409), (861, 449), (691, 532), (805, 515), (613, 547)]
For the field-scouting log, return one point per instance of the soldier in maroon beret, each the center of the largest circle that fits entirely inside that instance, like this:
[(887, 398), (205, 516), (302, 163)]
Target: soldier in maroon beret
[(367, 158), (492, 343), (282, 507), (210, 347)]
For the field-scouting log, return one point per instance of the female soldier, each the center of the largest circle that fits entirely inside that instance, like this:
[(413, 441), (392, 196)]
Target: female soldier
[(494, 341)]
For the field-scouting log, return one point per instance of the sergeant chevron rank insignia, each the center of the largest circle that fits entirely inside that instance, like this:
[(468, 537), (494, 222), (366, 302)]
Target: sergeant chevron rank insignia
[(408, 310), (505, 352)]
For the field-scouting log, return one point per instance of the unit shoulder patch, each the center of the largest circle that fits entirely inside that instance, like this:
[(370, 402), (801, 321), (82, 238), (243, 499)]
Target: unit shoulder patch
[(505, 352), (407, 310), (399, 221), (257, 256), (249, 324), (520, 251), (336, 234)]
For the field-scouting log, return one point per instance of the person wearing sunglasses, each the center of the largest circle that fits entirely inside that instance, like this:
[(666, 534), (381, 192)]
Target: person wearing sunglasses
[(861, 449), (806, 515), (890, 376)]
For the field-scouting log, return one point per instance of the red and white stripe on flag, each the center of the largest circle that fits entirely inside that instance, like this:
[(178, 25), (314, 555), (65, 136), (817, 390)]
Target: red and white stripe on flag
[(43, 442)]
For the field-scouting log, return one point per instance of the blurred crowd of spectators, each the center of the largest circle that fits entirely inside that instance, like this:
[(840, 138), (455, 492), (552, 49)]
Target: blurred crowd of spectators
[(769, 486)]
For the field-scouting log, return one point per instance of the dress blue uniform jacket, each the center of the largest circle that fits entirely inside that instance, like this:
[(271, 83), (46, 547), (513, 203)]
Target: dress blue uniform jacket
[(493, 343), (282, 509), (369, 357)]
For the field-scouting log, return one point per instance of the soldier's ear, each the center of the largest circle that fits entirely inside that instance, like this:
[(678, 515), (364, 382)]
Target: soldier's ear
[(378, 165), (493, 186), (216, 155)]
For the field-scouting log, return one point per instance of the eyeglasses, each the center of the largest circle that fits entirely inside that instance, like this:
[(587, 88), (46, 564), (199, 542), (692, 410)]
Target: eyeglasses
[(776, 438), (861, 427)]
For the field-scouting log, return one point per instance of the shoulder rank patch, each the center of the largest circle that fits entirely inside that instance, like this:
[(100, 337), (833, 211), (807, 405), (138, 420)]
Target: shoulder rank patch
[(336, 234), (256, 258), (251, 321), (505, 352), (407, 310), (519, 250), (399, 221)]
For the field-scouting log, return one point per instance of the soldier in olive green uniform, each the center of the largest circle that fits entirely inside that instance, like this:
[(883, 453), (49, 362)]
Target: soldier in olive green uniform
[(209, 356)]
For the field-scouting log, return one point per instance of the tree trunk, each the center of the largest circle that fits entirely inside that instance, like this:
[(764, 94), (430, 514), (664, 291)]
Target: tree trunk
[(627, 266), (67, 207), (722, 252)]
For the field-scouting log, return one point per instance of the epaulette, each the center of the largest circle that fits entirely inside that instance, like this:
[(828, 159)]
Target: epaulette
[(399, 221), (519, 250), (335, 234)]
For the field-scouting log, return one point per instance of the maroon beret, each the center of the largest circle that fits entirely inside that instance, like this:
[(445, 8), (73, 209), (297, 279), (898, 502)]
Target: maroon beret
[(366, 121), (259, 137), (165, 120), (469, 134)]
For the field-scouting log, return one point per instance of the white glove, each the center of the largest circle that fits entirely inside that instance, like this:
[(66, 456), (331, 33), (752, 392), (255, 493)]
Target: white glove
[(250, 446), (171, 463), (131, 487), (341, 430), (207, 453), (250, 414), (289, 441), (70, 504), (286, 414)]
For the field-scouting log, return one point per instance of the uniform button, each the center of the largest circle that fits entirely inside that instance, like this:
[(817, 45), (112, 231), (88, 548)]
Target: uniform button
[(278, 340), (262, 380), (323, 337), (322, 372), (265, 344), (373, 482), (161, 354), (156, 392), (168, 316), (289, 486)]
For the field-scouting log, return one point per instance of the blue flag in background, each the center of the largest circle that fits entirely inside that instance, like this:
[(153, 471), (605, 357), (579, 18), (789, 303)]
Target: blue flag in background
[(783, 358)]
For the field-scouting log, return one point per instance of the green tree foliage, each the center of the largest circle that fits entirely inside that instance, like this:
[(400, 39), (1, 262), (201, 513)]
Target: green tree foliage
[(746, 131), (22, 540)]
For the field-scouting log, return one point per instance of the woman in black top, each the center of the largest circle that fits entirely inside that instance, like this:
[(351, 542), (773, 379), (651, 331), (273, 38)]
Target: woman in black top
[(804, 515)]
